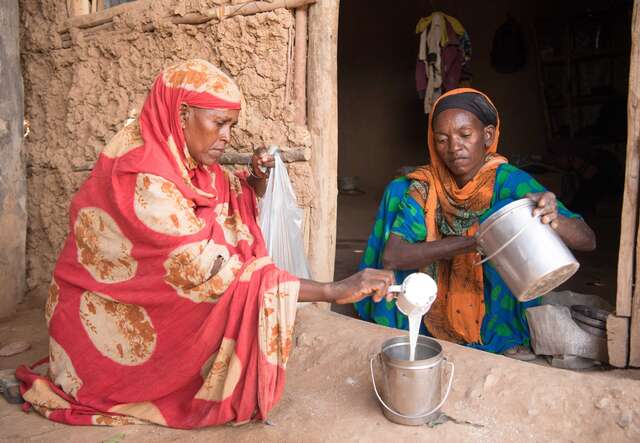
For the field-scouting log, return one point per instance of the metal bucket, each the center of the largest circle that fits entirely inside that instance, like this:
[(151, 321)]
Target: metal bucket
[(412, 389), (529, 255)]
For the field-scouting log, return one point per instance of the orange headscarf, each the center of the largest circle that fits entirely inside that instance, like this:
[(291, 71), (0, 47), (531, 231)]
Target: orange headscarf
[(459, 308)]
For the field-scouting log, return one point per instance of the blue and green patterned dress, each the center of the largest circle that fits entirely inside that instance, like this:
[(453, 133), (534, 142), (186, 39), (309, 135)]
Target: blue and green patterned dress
[(504, 325)]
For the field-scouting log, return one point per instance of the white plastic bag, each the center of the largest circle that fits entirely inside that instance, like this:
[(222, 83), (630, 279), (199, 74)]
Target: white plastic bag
[(281, 222)]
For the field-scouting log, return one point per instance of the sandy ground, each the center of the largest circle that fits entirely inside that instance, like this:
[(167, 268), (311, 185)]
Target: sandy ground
[(329, 397)]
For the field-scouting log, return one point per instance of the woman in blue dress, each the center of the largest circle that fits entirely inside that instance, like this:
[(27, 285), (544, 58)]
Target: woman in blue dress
[(427, 221)]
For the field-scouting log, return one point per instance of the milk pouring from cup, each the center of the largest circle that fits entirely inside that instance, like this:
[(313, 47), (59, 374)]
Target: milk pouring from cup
[(416, 294)]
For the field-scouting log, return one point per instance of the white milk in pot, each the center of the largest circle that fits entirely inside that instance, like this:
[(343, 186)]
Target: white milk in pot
[(415, 296)]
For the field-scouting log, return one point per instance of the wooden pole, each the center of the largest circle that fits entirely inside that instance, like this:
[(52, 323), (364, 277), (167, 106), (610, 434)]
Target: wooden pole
[(633, 154), (221, 12), (251, 8), (288, 155), (618, 341), (322, 107), (79, 7), (239, 158), (629, 222), (300, 67)]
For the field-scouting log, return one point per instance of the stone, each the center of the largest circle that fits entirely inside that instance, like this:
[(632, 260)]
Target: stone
[(624, 419), (603, 403), (14, 348)]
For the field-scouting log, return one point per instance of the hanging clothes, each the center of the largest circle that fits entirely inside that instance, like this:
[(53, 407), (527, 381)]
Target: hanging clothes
[(444, 57)]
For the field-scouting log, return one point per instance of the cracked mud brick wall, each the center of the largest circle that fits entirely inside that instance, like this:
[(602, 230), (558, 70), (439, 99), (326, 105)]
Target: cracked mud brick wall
[(76, 98)]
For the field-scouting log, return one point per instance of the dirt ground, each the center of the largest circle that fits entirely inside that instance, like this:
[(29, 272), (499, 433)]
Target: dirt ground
[(329, 397)]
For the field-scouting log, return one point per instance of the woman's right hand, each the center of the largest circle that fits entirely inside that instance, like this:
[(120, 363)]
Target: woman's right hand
[(374, 282)]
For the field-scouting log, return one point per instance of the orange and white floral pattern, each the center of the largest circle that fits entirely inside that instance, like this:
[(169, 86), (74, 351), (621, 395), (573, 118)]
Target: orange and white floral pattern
[(232, 225), (122, 332), (196, 76), (125, 140), (145, 410), (102, 248), (52, 300), (62, 371), (190, 270), (161, 207), (276, 318), (221, 373)]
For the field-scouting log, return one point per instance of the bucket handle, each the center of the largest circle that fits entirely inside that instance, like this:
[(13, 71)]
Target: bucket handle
[(508, 242), (413, 417)]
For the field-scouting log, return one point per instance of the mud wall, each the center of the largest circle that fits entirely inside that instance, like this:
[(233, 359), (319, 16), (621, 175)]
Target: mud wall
[(13, 189), (77, 97)]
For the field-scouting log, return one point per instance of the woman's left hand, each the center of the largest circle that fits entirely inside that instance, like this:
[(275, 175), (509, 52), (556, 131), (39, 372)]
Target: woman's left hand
[(262, 159), (546, 207)]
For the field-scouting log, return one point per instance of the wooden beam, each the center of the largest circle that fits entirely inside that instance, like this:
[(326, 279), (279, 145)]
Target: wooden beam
[(251, 8), (221, 12), (101, 17), (289, 156), (79, 7), (629, 223), (633, 150), (634, 334), (618, 341), (300, 67), (322, 118)]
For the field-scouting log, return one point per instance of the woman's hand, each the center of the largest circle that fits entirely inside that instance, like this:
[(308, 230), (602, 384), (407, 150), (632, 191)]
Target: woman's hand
[(261, 159), (546, 207), (374, 282)]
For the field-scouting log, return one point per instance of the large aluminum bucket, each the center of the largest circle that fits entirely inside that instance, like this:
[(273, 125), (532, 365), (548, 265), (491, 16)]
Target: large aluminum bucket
[(412, 389), (529, 255)]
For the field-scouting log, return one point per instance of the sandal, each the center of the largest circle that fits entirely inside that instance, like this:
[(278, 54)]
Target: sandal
[(522, 353)]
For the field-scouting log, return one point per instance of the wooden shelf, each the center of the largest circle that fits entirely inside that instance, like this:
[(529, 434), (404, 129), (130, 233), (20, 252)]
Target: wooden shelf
[(584, 57), (586, 101)]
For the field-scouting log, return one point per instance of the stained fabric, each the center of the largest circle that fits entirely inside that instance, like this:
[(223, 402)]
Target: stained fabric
[(504, 324), (164, 307)]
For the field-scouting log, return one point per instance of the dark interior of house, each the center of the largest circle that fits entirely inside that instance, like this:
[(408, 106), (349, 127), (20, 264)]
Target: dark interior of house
[(557, 73)]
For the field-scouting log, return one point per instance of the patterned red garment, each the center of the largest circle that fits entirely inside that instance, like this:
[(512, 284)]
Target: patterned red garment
[(142, 327)]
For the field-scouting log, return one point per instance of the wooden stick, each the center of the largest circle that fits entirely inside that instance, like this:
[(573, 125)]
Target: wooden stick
[(629, 222), (618, 341), (291, 155), (221, 12), (300, 67), (101, 17), (631, 175), (79, 8), (288, 82), (251, 8)]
